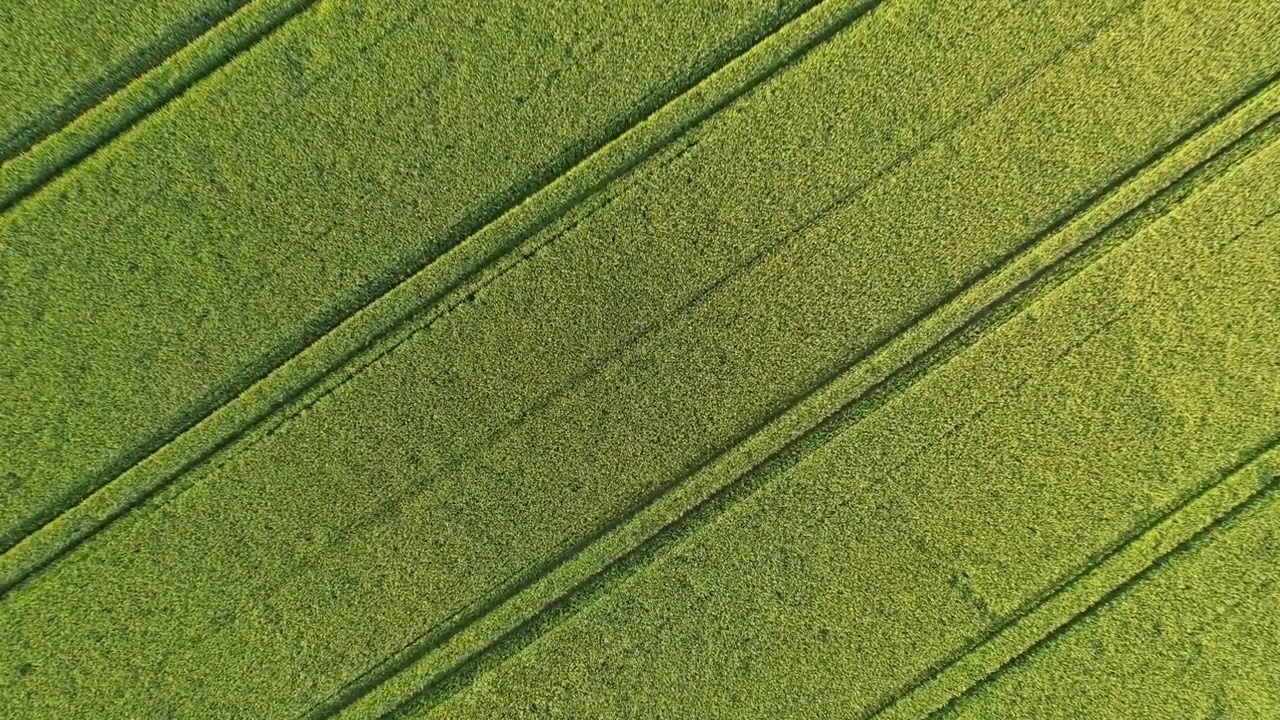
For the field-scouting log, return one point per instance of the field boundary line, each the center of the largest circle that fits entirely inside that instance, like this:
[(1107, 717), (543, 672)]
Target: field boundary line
[(133, 101), (434, 666), (432, 290), (1206, 510)]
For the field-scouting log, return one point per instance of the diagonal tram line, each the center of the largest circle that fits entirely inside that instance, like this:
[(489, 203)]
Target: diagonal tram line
[(391, 27), (1120, 564), (785, 240), (227, 390), (491, 229), (845, 197), (1206, 511), (1117, 566), (96, 91), (467, 277), (446, 658), (140, 452), (39, 157), (757, 258), (317, 365)]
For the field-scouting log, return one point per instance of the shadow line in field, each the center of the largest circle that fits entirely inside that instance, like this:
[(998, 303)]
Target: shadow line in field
[(1210, 520), (85, 98)]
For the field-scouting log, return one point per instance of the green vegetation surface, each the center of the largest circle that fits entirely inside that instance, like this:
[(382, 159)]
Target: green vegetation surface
[(1196, 638), (62, 57), (875, 166), (249, 215), (928, 523)]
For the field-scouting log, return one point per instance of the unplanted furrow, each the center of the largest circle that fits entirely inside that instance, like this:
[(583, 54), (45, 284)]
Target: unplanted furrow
[(62, 57), (253, 587), (242, 221), (919, 529)]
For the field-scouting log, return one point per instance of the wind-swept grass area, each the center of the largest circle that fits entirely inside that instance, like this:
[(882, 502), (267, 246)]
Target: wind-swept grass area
[(663, 359)]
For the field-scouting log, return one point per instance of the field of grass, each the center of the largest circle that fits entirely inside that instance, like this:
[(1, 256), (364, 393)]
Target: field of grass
[(230, 229), (62, 57), (674, 359), (957, 503), (1195, 638)]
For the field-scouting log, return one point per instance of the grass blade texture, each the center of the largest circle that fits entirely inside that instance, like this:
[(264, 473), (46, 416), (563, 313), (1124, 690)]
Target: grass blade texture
[(63, 57), (227, 231), (851, 358)]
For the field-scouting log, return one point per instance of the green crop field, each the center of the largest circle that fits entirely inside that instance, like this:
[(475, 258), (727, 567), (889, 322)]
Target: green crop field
[(62, 57), (663, 358)]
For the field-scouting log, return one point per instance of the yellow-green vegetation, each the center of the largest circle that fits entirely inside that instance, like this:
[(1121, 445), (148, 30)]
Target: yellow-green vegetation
[(913, 532), (1194, 638), (62, 57), (153, 77), (1028, 255), (234, 226)]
